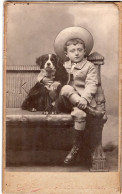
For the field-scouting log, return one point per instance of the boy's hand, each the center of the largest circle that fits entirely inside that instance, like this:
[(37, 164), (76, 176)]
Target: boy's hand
[(82, 103), (55, 85)]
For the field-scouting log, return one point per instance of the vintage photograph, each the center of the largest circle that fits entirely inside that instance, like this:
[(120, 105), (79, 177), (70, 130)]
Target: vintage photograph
[(61, 87)]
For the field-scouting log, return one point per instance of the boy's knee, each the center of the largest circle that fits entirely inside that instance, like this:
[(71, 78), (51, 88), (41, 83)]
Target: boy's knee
[(79, 119), (67, 90), (79, 115)]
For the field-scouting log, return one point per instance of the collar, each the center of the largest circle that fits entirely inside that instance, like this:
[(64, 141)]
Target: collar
[(79, 65)]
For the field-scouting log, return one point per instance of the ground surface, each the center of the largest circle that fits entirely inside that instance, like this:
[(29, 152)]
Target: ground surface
[(112, 162)]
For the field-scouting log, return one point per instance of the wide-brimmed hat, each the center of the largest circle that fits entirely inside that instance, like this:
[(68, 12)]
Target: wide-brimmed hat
[(71, 33)]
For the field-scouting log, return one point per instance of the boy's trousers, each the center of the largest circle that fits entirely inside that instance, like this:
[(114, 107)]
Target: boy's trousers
[(65, 105)]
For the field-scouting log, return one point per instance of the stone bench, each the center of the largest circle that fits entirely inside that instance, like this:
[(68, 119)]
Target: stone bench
[(34, 131)]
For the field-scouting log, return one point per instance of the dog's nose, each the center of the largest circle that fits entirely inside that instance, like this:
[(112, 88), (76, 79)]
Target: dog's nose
[(48, 64)]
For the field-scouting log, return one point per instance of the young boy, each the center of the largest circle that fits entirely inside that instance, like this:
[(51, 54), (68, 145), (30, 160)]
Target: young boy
[(75, 43)]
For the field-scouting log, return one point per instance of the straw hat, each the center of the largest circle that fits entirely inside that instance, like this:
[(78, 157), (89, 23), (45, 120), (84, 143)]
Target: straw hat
[(71, 33)]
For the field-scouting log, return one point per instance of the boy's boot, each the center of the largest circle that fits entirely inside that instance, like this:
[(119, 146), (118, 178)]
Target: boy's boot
[(94, 112), (75, 98), (70, 158)]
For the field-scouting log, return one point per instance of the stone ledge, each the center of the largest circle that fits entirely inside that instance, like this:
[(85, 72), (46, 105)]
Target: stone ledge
[(15, 116)]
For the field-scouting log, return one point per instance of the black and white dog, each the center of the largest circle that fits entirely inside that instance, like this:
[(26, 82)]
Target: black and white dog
[(51, 78)]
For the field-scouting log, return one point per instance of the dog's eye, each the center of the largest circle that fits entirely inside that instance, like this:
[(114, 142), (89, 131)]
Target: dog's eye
[(53, 60), (45, 59)]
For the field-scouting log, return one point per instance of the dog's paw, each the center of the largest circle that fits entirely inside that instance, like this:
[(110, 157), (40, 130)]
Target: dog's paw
[(49, 112), (33, 110), (54, 113), (45, 112)]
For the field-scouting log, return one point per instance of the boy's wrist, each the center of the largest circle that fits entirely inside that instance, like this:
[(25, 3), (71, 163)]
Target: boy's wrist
[(85, 99)]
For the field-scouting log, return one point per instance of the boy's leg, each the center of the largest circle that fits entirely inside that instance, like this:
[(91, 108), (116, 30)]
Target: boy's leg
[(79, 126), (69, 98), (72, 98), (63, 105), (71, 94)]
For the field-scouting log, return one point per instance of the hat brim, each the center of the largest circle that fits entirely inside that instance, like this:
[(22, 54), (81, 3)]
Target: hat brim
[(71, 33)]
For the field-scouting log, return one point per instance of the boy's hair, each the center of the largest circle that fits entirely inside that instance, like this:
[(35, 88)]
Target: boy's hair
[(74, 41)]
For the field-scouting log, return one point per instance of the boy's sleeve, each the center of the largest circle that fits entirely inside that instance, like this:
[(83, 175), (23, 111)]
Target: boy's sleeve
[(91, 83)]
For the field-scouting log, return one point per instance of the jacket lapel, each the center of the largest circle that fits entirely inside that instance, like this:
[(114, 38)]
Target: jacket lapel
[(81, 64)]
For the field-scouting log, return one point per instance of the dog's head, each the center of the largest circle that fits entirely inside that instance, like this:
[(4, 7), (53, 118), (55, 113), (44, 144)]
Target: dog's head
[(52, 63), (48, 62)]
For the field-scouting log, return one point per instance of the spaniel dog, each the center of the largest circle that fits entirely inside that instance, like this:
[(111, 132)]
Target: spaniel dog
[(45, 92)]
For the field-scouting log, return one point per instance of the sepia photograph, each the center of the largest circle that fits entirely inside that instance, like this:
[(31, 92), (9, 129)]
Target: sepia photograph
[(61, 88)]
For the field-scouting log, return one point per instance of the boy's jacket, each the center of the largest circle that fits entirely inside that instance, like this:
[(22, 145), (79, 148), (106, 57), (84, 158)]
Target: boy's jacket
[(85, 79)]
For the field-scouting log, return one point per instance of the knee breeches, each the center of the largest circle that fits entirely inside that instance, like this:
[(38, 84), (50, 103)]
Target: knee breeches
[(65, 105)]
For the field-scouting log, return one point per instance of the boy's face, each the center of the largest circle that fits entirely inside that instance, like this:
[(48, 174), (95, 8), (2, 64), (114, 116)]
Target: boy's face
[(75, 52)]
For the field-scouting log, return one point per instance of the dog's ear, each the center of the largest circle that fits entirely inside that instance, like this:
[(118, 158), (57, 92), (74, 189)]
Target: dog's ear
[(39, 61), (60, 62)]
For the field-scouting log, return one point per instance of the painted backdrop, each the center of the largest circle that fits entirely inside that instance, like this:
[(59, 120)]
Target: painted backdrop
[(32, 28)]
